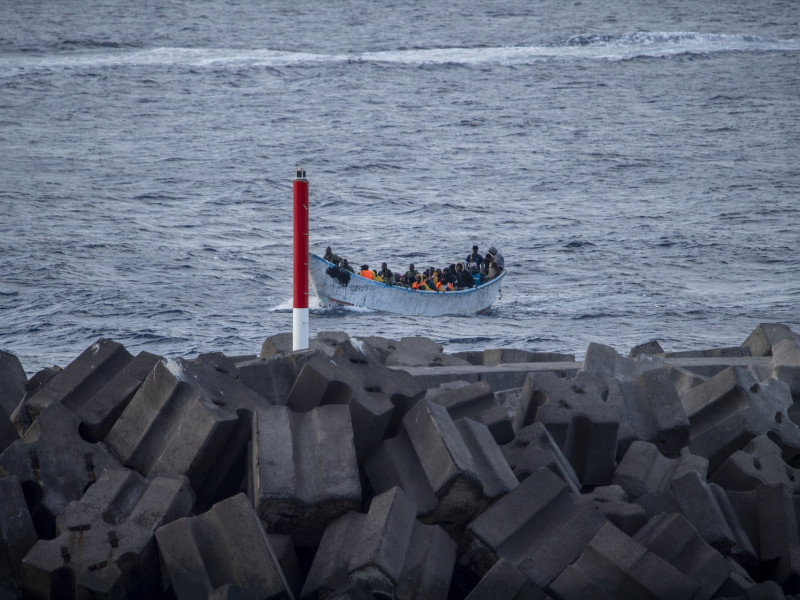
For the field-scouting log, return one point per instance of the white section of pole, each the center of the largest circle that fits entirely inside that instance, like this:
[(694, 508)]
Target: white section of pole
[(299, 329)]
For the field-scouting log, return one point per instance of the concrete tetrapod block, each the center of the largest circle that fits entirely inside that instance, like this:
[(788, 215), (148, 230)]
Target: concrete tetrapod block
[(707, 509), (223, 549), (412, 352), (650, 407), (99, 413), (461, 461), (171, 428), (505, 581), (614, 565), (304, 472), (673, 538), (17, 534), (12, 382), (105, 546), (758, 463), (645, 471), (377, 396), (605, 362), (612, 501), (81, 379), (54, 465), (476, 401), (785, 364), (387, 550), (731, 408), (547, 388), (274, 376), (583, 426), (766, 335), (539, 527), (8, 434), (533, 448), (282, 343)]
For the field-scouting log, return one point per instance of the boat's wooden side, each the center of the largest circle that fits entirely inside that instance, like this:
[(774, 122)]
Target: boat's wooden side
[(335, 285)]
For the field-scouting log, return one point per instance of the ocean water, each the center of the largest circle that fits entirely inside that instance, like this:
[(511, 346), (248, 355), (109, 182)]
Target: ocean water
[(637, 164)]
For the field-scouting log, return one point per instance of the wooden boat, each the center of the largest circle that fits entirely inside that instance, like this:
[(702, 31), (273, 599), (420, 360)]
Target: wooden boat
[(335, 285)]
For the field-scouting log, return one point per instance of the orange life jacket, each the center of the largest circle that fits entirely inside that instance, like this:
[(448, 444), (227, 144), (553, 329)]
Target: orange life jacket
[(367, 273)]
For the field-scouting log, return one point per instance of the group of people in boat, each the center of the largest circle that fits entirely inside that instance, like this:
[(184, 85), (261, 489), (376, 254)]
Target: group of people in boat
[(475, 270)]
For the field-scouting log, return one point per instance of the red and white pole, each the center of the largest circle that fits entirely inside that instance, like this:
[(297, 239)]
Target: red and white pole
[(300, 311)]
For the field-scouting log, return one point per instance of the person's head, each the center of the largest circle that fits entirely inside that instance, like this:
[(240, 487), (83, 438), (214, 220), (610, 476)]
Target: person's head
[(383, 267), (492, 250), (344, 261), (328, 250), (475, 249), (419, 277), (365, 267), (459, 267)]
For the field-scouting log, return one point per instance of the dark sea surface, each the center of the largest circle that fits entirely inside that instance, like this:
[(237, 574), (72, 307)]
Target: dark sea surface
[(637, 163)]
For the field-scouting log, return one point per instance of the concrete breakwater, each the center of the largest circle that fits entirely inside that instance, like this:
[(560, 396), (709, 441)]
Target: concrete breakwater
[(375, 468)]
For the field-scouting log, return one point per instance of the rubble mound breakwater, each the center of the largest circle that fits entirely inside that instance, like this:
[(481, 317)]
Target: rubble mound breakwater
[(369, 468)]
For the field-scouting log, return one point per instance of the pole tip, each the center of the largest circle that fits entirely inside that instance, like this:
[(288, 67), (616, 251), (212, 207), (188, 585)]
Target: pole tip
[(301, 173)]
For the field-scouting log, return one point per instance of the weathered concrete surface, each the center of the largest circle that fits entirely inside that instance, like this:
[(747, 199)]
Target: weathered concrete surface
[(645, 471), (81, 379), (533, 448), (281, 343), (766, 335), (505, 581), (54, 465), (387, 550), (378, 397), (12, 382), (304, 472), (105, 540), (17, 534), (540, 527), (205, 556)]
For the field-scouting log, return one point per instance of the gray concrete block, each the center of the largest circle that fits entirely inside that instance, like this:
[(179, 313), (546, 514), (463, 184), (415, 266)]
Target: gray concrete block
[(413, 352), (281, 343), (581, 423), (8, 433), (612, 501), (728, 352), (476, 401), (81, 379), (684, 380), (605, 362), (731, 408), (105, 540), (54, 465), (12, 382), (20, 417), (534, 448), (539, 527), (377, 396), (765, 336), (645, 471), (652, 348), (394, 463), (99, 413), (785, 364), (273, 377), (461, 461), (613, 565), (504, 356), (675, 540), (768, 515), (505, 581), (650, 406), (304, 472), (172, 427), (760, 462), (205, 556), (17, 533), (691, 496), (387, 550)]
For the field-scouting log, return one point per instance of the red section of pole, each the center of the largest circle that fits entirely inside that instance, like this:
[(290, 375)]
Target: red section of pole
[(300, 189)]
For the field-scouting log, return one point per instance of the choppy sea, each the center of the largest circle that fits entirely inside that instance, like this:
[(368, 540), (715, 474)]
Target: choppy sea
[(637, 164)]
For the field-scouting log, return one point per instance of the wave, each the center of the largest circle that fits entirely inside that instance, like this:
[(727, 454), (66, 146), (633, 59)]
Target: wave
[(588, 46)]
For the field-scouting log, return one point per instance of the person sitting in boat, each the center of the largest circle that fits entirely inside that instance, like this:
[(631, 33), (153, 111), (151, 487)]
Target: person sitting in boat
[(474, 259), (422, 284), (448, 278), (492, 269), (411, 274), (464, 280), (346, 266), (331, 257), (498, 258), (386, 274), (365, 272)]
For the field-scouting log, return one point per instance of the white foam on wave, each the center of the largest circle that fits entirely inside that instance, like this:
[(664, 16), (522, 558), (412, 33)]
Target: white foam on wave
[(585, 46)]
